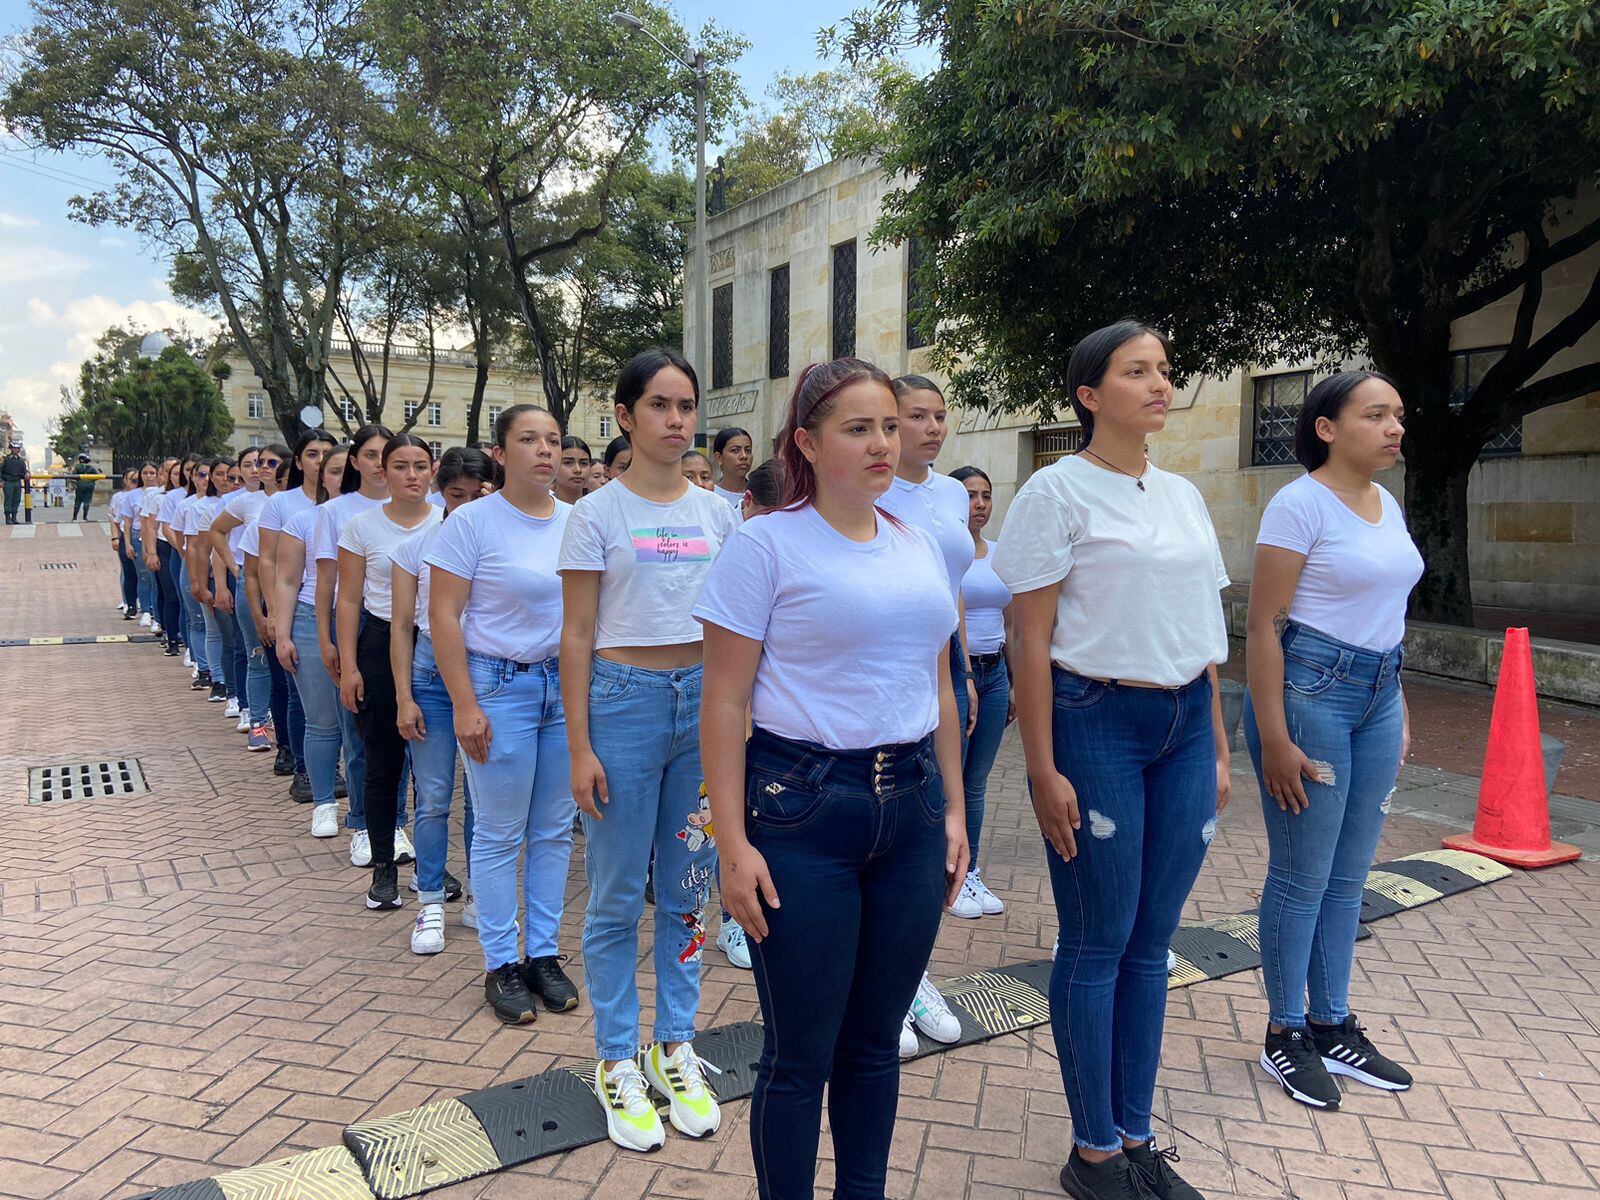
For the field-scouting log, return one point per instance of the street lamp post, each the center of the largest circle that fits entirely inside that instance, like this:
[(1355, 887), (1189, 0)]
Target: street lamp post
[(701, 357)]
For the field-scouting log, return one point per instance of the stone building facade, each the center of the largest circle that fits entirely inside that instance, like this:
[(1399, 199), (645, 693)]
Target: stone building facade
[(793, 280)]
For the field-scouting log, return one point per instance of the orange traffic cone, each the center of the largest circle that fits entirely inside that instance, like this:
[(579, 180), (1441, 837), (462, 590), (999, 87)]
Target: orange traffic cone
[(1513, 822)]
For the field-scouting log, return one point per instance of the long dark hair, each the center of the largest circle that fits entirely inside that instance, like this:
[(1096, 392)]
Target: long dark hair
[(1327, 399), (814, 393), (577, 443), (1091, 357), (352, 479), (211, 480), (297, 476), (405, 441), (962, 474), (322, 467), (615, 447), (765, 483), (210, 464), (639, 370), (463, 461), (904, 385), (726, 435)]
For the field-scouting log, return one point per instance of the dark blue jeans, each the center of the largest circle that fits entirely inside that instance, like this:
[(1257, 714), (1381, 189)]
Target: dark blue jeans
[(958, 683), (994, 698), (1144, 765), (172, 624), (855, 845), (1344, 712)]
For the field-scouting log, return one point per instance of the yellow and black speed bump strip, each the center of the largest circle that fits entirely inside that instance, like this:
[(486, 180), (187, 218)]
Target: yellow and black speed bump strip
[(105, 639), (393, 1158)]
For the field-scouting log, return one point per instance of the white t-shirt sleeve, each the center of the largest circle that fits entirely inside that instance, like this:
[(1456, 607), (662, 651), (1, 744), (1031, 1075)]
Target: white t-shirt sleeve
[(741, 588), (455, 549), (272, 518), (353, 537), (1291, 522), (1035, 546), (325, 543), (583, 545)]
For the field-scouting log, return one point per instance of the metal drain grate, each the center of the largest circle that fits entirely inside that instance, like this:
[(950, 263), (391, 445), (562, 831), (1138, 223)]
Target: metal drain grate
[(58, 566), (86, 781)]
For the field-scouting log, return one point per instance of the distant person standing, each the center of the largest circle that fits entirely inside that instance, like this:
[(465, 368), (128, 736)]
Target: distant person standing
[(83, 493), (13, 473)]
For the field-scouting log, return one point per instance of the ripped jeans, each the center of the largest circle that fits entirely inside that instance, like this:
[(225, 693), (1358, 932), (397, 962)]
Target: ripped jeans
[(1344, 712), (1143, 762)]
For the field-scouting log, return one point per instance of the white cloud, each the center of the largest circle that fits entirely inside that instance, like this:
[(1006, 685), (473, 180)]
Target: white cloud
[(39, 313), (16, 221), (35, 264)]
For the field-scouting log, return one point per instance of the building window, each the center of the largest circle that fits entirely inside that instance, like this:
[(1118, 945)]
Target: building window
[(605, 428), (914, 294), (1277, 407), (255, 405), (347, 407), (778, 322), (494, 411), (435, 414), (1055, 443), (844, 300), (411, 410), (1467, 369), (722, 336), (257, 441), (437, 448)]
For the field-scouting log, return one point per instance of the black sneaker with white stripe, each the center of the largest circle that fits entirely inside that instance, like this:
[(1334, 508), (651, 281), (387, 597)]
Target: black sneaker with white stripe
[(1291, 1058), (1346, 1050)]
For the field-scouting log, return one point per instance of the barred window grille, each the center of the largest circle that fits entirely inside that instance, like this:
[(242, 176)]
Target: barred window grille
[(1467, 369), (722, 336), (1277, 407), (914, 293), (1052, 444), (844, 300), (778, 323)]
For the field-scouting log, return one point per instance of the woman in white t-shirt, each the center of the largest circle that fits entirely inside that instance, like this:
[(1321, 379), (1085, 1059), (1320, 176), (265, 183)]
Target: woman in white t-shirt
[(208, 576), (423, 712), (158, 556), (179, 530), (841, 822), (634, 557), (1116, 579), (733, 451), (265, 696), (495, 616), (1325, 722), (366, 680)]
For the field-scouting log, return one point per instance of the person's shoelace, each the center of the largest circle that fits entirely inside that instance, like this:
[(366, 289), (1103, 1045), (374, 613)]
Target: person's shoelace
[(691, 1069), (1163, 1161), (628, 1081), (930, 998)]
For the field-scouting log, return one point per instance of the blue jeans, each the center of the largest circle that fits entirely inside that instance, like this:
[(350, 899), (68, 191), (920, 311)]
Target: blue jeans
[(958, 684), (326, 731), (644, 727), (148, 594), (239, 664), (855, 844), (219, 644), (194, 621), (523, 798), (994, 698), (167, 585), (433, 766), (1143, 762), (1344, 709), (257, 676)]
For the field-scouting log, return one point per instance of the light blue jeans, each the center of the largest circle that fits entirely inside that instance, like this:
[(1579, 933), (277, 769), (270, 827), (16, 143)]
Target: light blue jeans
[(523, 799), (645, 730), (1344, 712), (994, 698), (194, 622), (219, 645), (149, 596), (326, 730), (257, 674), (433, 766)]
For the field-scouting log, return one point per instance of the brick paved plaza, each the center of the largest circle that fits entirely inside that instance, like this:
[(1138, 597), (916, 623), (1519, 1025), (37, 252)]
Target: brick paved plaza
[(190, 983)]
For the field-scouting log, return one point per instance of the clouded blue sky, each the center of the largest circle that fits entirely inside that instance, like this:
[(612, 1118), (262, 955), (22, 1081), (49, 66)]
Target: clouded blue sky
[(62, 283)]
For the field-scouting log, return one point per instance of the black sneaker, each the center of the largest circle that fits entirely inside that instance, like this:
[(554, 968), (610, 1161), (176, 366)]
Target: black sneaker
[(1345, 1050), (219, 692), (201, 682), (1156, 1168), (1292, 1059), (452, 888), (284, 763), (1114, 1179), (341, 789), (170, 649), (385, 889), (508, 995), (300, 789), (546, 980)]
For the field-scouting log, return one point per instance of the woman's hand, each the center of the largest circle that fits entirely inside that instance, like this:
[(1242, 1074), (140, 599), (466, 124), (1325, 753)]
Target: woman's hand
[(972, 706), (265, 632), (409, 721), (1055, 807), (589, 783), (1224, 784), (330, 660), (288, 658), (152, 562), (957, 856), (1011, 705), (1284, 769), (473, 734), (746, 884), (225, 601), (353, 690)]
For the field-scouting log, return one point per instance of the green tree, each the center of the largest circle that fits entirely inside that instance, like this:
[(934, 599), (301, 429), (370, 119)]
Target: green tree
[(1268, 181)]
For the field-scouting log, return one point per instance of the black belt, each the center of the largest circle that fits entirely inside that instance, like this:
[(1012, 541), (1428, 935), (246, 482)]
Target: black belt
[(988, 660)]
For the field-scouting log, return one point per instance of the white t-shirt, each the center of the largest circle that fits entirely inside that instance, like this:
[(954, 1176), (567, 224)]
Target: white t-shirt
[(436, 499), (734, 498), (167, 510), (1140, 571), (275, 516), (250, 539), (194, 514), (375, 535), (1357, 576), (303, 528), (514, 606), (333, 516), (986, 598), (244, 507), (653, 559), (851, 631), (938, 504), (411, 556)]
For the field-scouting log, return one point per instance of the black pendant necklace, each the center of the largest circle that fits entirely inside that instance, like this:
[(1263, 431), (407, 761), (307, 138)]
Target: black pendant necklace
[(1137, 479)]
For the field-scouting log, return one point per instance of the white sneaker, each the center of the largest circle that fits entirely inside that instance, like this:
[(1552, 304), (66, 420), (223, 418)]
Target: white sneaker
[(324, 820), (966, 905), (469, 912), (144, 620), (121, 607), (1172, 962), (933, 1015), (1055, 949), (731, 941), (244, 721), (427, 935), (681, 1078), (232, 711), (993, 906), (404, 851), (631, 1120), (908, 1038), (360, 846), (194, 670), (155, 626)]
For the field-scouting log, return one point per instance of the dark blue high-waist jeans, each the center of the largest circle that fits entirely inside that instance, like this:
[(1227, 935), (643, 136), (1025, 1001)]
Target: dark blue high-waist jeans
[(1344, 712), (1143, 762), (855, 845), (993, 682)]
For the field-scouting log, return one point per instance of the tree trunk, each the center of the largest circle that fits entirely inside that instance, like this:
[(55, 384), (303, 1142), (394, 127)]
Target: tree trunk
[(480, 380), (1436, 512)]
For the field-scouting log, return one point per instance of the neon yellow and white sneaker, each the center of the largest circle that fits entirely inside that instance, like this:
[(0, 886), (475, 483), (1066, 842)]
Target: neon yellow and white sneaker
[(680, 1077), (631, 1120)]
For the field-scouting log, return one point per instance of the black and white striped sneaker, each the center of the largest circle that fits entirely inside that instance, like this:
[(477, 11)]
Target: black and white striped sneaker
[(1345, 1050), (1292, 1059)]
